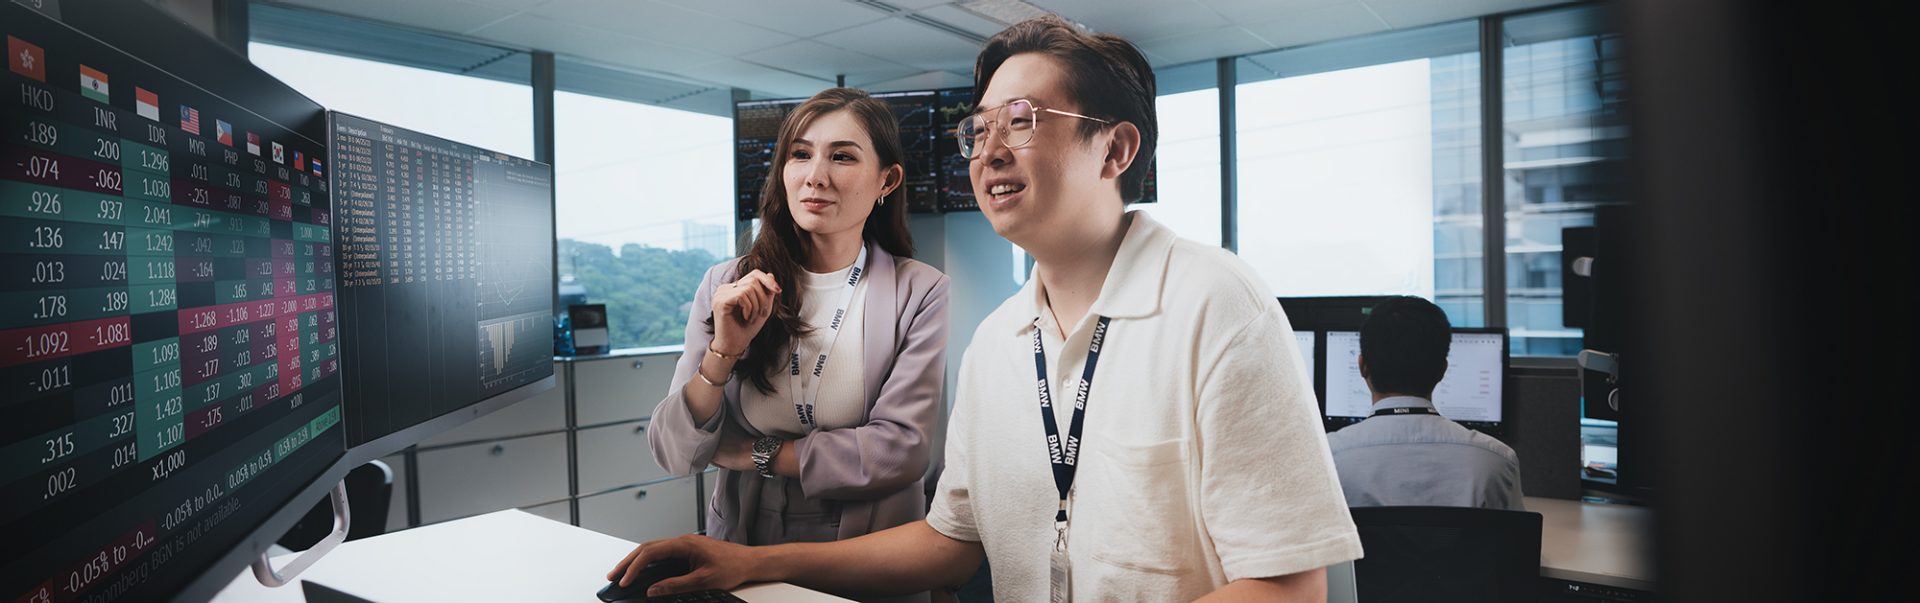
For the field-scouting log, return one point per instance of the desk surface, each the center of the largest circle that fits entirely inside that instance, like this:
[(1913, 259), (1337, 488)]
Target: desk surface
[(505, 556), (1610, 545)]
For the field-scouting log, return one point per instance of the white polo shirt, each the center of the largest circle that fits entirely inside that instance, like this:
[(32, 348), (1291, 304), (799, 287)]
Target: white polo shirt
[(1202, 459)]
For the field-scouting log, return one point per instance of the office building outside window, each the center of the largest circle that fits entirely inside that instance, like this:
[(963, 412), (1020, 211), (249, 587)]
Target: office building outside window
[(1564, 135)]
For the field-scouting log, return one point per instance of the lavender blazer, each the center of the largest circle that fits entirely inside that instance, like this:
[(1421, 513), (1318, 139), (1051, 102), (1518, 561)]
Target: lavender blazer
[(872, 471)]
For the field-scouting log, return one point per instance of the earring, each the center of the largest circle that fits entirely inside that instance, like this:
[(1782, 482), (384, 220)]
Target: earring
[(882, 201)]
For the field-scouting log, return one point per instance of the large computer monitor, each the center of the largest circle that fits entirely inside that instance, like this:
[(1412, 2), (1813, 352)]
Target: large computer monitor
[(446, 280), (1472, 393), (167, 381)]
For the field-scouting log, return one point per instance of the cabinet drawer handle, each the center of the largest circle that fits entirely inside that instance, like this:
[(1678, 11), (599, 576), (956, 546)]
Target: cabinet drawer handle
[(497, 450), (639, 494), (638, 363), (641, 428)]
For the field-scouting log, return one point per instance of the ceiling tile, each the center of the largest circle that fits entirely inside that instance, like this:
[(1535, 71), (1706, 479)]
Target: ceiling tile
[(908, 43), (822, 61), (666, 24), (1318, 25), (1262, 11), (1203, 45), (920, 81), (453, 16), (798, 18), (742, 74), (546, 34), (963, 20), (1163, 21), (1415, 13)]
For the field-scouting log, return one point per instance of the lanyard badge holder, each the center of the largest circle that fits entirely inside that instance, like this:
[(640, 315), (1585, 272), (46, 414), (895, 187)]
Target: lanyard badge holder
[(803, 399), (1064, 454)]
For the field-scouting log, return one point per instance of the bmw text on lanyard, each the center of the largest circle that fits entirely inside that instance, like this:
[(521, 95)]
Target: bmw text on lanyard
[(1406, 410), (803, 398), (1065, 455)]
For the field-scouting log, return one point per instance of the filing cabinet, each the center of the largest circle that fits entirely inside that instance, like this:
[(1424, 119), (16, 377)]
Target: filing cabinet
[(458, 481), (577, 453), (649, 512)]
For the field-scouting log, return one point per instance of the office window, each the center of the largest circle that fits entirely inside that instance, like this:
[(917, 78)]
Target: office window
[(486, 113), (1358, 165), (1564, 132), (645, 206), (1188, 154)]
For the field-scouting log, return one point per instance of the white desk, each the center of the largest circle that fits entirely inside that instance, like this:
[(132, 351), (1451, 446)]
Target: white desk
[(1609, 545), (505, 556)]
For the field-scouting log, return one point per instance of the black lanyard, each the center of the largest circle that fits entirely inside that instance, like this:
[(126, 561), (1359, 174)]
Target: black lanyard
[(1065, 455), (1406, 410)]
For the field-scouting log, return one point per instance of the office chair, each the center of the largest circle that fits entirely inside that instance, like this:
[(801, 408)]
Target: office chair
[(1438, 554), (369, 491)]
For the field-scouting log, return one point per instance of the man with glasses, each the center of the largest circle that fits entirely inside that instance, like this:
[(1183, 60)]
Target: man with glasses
[(1190, 463)]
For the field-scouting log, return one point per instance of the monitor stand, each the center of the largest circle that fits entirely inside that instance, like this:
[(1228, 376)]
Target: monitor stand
[(263, 567)]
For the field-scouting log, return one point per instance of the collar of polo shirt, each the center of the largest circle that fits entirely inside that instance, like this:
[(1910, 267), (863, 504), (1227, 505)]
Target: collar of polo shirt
[(1133, 284)]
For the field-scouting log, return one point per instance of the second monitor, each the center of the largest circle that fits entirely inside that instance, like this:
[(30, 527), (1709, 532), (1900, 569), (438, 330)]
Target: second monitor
[(446, 276), (1471, 393)]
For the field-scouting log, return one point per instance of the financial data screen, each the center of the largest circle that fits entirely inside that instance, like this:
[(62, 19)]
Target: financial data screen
[(956, 184), (169, 350), (756, 129), (446, 274), (1470, 391), (917, 117)]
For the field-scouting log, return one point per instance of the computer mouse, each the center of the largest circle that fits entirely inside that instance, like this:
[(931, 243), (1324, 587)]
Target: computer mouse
[(653, 572)]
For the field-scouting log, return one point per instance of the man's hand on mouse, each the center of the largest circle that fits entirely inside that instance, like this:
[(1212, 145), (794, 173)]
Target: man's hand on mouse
[(717, 565)]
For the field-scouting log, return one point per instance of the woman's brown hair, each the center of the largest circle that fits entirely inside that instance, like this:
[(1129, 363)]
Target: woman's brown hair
[(781, 247)]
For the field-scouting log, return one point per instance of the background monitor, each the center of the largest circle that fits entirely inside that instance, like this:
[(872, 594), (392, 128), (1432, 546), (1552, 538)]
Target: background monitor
[(168, 369), (1472, 393), (756, 126), (446, 278), (1329, 313)]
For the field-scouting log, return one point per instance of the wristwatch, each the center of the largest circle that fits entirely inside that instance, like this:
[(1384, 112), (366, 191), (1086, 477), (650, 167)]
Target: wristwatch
[(763, 451)]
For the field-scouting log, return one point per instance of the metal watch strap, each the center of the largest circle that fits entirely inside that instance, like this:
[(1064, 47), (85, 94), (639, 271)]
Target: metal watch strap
[(763, 451)]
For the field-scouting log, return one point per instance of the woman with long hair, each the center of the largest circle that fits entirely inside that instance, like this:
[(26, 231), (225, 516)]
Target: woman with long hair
[(813, 365)]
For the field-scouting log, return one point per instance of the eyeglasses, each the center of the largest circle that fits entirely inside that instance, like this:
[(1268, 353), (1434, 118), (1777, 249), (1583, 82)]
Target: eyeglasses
[(1021, 119)]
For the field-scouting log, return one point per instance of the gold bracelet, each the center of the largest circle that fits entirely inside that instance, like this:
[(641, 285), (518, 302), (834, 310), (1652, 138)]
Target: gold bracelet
[(710, 350), (703, 378)]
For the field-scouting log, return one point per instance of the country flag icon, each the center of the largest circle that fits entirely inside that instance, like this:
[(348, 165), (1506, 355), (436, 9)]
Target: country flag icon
[(190, 120), (317, 171), (299, 161), (146, 103), (26, 59), (253, 143), (279, 153), (224, 131), (93, 83)]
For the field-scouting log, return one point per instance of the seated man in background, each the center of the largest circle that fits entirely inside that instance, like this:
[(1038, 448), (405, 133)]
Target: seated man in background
[(1406, 454)]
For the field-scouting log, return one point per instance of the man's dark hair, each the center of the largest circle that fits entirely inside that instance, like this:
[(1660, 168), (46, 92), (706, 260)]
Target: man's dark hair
[(1405, 342), (1106, 75)]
